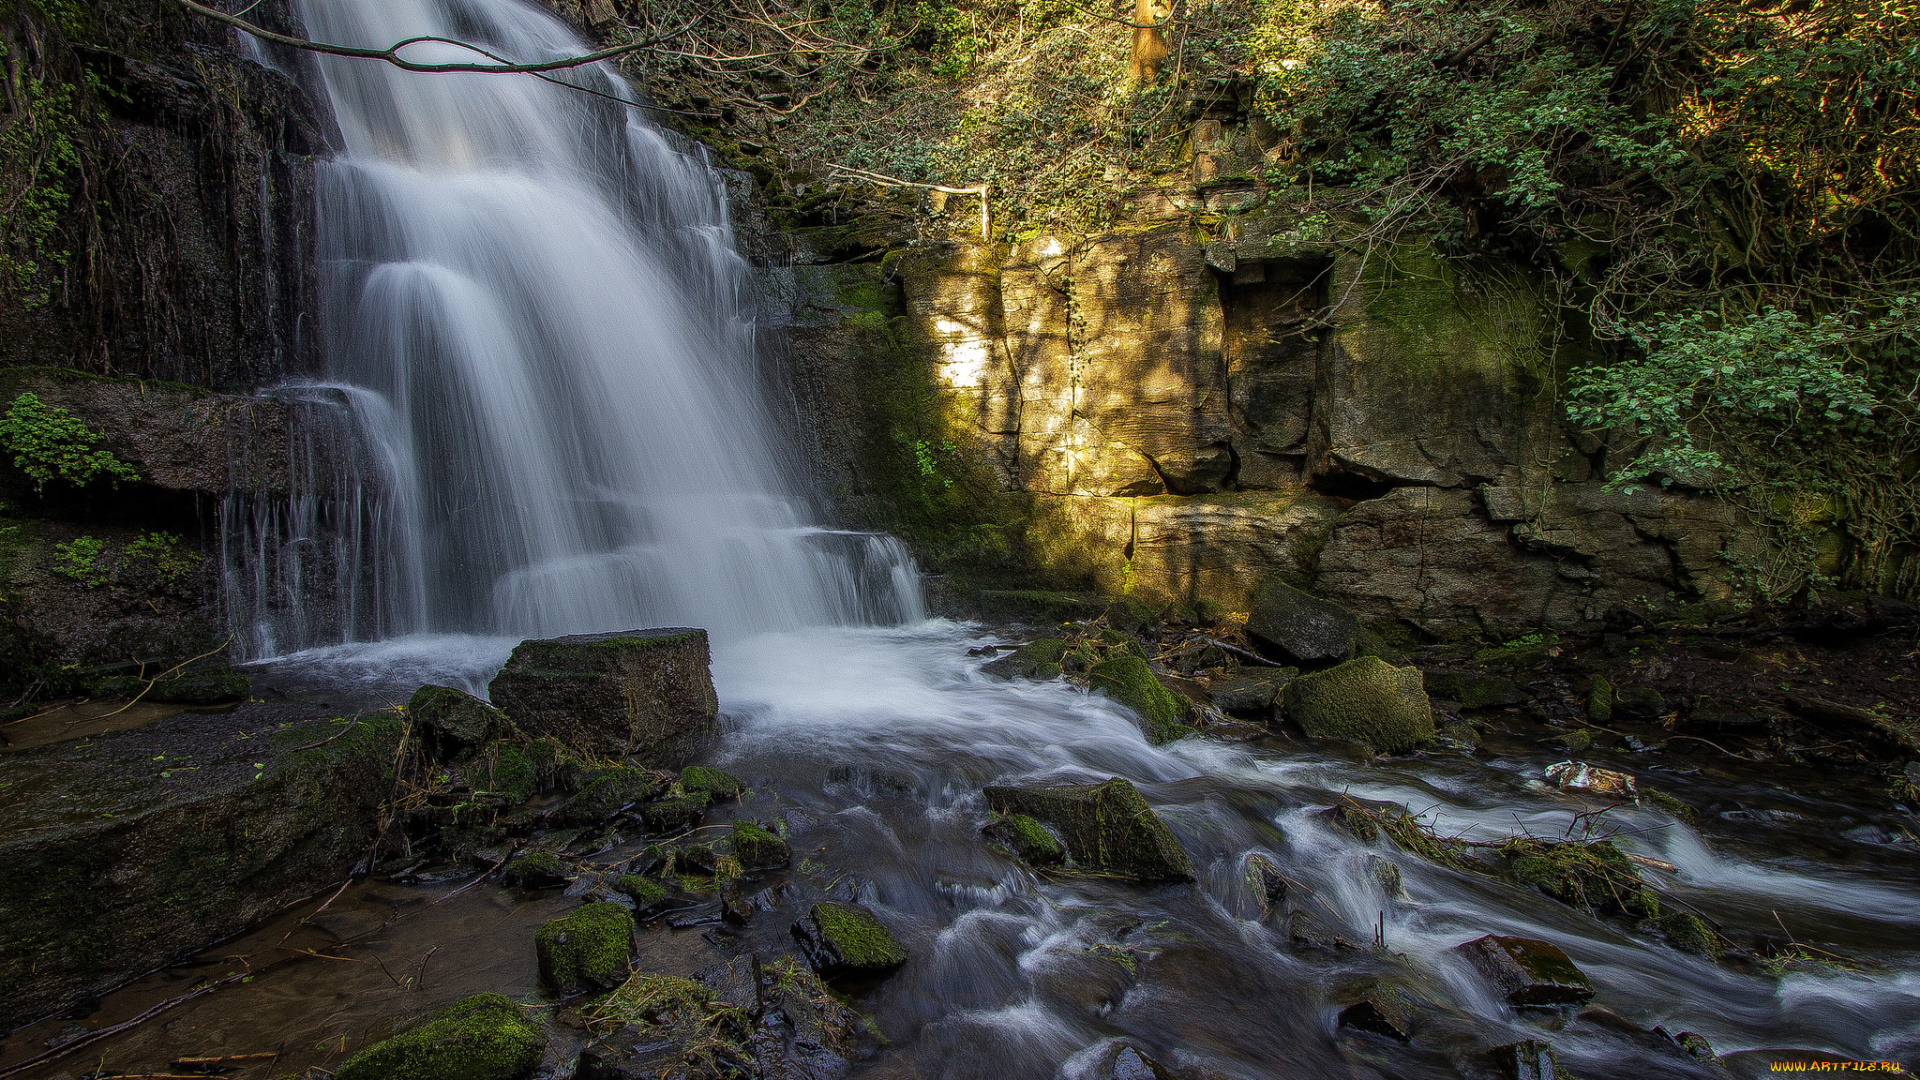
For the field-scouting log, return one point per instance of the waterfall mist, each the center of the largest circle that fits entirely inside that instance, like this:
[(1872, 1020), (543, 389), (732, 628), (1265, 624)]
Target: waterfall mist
[(538, 327)]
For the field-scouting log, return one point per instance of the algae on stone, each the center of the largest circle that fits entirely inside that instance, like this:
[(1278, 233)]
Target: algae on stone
[(585, 950), (1128, 680), (1106, 827), (537, 870), (1039, 660), (757, 847), (712, 783), (841, 938), (1366, 699), (451, 721), (1026, 838), (644, 892), (674, 815), (1594, 875), (483, 1037)]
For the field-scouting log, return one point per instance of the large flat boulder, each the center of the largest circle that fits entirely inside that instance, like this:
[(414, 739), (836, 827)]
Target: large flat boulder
[(127, 851), (645, 694), (1300, 626), (1529, 973), (1106, 827)]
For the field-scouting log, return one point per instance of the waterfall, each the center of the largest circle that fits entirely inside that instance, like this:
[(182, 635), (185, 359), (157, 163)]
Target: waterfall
[(537, 324)]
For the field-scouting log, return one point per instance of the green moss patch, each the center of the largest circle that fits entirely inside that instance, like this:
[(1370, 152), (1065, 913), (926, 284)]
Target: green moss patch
[(605, 792), (757, 847), (644, 892), (1106, 827), (1039, 660), (484, 1037), (586, 950), (713, 783), (1128, 680), (1368, 700), (675, 815), (1595, 876), (846, 938), (1027, 839), (1688, 933), (537, 870)]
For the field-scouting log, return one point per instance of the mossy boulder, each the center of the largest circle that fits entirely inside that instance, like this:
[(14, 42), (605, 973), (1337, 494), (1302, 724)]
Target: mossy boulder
[(1105, 827), (605, 792), (586, 950), (537, 870), (1529, 973), (1026, 838), (1128, 680), (505, 770), (675, 815), (757, 847), (645, 893), (1300, 626), (1596, 876), (712, 783), (484, 1037), (847, 939), (647, 694), (452, 721), (1689, 933), (1366, 699), (1038, 660)]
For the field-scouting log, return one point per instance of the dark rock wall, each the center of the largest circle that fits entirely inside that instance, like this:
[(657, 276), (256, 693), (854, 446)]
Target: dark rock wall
[(188, 218)]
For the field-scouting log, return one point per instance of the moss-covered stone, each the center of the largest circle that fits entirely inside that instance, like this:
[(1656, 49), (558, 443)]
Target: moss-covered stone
[(644, 892), (483, 1037), (537, 870), (1600, 700), (586, 950), (1368, 700), (712, 783), (1251, 690), (1689, 934), (1677, 807), (1106, 827), (1128, 680), (1038, 660), (757, 847), (507, 771), (674, 815), (605, 792), (451, 721), (1595, 876), (644, 693), (1026, 838), (1529, 973), (846, 939)]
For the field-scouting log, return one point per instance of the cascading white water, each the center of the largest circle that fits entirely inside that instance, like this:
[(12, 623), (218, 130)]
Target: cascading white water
[(533, 302)]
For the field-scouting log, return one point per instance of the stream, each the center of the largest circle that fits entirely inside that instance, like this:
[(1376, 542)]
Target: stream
[(873, 744)]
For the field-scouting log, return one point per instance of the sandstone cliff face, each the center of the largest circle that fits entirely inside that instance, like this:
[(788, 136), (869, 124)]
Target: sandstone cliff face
[(1188, 416)]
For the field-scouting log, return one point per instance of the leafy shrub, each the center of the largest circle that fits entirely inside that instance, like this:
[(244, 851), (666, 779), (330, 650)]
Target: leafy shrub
[(162, 551), (49, 443), (79, 559)]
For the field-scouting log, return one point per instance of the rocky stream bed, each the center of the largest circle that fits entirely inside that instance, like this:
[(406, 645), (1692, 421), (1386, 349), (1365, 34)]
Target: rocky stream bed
[(1101, 848)]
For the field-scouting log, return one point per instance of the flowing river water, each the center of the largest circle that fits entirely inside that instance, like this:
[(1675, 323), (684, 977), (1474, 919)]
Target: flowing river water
[(541, 336)]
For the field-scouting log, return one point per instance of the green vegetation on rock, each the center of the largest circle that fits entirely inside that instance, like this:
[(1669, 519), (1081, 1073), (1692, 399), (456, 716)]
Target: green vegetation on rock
[(839, 936), (49, 443), (1592, 875), (454, 720), (1128, 680), (1368, 700), (1038, 659), (605, 792), (483, 1037), (757, 847), (586, 950), (1106, 827), (1029, 840), (537, 869), (712, 783), (644, 892), (1600, 700)]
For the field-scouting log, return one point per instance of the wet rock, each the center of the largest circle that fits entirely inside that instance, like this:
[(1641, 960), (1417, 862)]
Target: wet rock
[(776, 1021), (483, 1037), (1688, 933), (1053, 607), (1026, 838), (205, 682), (715, 784), (586, 950), (1473, 690), (1725, 715), (1131, 1063), (1382, 1010), (1642, 703), (1528, 1060), (735, 984), (1308, 931), (1528, 972), (537, 870), (1128, 680), (1593, 876), (1035, 660), (1254, 690), (1266, 880), (646, 894), (1575, 742), (1368, 700), (847, 939), (1696, 1045), (757, 847), (122, 854), (605, 792), (1386, 875), (736, 906), (674, 815), (1106, 827), (1300, 626), (451, 722), (643, 693)]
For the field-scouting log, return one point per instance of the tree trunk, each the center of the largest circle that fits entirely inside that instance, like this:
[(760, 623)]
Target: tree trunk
[(1149, 44)]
